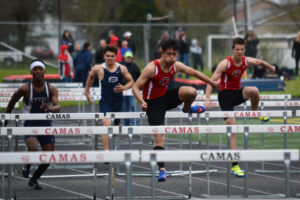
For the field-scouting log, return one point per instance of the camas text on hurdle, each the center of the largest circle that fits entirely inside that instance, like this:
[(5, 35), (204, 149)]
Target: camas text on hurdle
[(182, 129), (220, 156), (290, 129), (62, 131), (247, 114), (58, 116), (62, 157)]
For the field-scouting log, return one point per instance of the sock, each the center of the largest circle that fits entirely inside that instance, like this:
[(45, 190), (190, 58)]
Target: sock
[(234, 164), (160, 164), (40, 170)]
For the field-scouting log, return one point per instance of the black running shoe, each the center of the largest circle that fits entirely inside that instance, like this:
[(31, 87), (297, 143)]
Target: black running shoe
[(25, 172), (33, 183)]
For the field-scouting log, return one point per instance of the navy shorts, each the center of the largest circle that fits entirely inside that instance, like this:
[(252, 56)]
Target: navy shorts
[(157, 108), (228, 99), (106, 106), (43, 139)]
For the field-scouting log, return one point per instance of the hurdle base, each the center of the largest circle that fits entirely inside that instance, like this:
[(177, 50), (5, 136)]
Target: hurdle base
[(169, 173), (260, 171), (156, 197), (271, 196)]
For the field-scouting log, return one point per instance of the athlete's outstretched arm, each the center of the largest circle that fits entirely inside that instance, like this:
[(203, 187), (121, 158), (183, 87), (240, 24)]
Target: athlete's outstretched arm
[(90, 81), (16, 97), (256, 62), (215, 77), (190, 71), (146, 75)]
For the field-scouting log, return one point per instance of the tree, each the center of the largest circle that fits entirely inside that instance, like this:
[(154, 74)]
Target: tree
[(21, 11)]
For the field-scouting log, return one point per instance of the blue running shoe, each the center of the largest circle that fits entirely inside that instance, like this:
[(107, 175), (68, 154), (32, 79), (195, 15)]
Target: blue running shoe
[(162, 177), (197, 109)]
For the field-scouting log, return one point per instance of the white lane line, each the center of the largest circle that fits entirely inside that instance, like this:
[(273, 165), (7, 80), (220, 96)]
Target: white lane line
[(251, 173), (62, 189)]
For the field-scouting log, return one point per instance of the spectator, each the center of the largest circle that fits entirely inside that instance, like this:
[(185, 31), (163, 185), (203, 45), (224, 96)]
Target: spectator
[(197, 55), (164, 36), (131, 44), (296, 52), (67, 39), (124, 48), (99, 58), (83, 63), (129, 101), (114, 41), (65, 64), (251, 46), (76, 49), (184, 50)]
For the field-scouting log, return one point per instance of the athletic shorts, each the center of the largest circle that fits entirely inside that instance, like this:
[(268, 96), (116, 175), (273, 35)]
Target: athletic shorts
[(106, 106), (43, 139), (157, 108), (230, 98)]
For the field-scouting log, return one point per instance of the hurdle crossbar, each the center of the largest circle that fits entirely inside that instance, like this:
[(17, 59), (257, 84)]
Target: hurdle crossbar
[(261, 104), (152, 156)]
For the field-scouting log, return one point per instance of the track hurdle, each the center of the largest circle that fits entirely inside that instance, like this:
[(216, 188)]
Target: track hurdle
[(72, 157), (223, 156), (152, 157), (10, 132), (212, 129)]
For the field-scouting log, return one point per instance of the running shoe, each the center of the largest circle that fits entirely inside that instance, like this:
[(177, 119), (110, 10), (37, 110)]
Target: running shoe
[(25, 172), (162, 177), (197, 109), (264, 119), (236, 170), (33, 183)]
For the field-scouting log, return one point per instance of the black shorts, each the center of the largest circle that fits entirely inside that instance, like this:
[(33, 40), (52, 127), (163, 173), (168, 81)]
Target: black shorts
[(43, 139), (157, 108), (230, 98)]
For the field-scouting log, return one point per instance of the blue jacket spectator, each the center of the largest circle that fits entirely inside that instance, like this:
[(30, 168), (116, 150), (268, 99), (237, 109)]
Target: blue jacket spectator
[(83, 63)]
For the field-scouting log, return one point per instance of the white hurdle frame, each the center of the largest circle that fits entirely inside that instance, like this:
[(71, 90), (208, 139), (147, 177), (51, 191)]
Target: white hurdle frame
[(153, 156)]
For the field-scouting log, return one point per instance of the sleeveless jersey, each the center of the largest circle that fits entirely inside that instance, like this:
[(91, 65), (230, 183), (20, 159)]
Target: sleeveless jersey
[(110, 80), (34, 103), (231, 78), (158, 85)]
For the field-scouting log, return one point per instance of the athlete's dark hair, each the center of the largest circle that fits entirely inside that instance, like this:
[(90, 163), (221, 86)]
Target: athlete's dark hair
[(37, 60), (238, 40), (110, 48), (86, 45), (169, 44)]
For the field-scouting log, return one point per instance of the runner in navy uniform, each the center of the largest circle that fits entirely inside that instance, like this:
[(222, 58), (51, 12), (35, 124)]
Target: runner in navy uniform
[(110, 75), (37, 97)]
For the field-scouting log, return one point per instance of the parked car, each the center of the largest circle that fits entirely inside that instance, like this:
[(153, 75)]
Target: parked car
[(42, 51), (9, 58)]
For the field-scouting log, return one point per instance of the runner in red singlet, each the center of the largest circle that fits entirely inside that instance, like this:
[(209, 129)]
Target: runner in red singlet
[(156, 99), (230, 70)]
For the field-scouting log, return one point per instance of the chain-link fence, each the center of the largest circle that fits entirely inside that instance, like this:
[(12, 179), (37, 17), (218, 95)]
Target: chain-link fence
[(42, 40)]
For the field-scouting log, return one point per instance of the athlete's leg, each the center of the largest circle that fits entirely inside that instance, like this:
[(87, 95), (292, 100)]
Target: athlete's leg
[(32, 145), (43, 167), (232, 121), (105, 138), (187, 95), (251, 93)]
